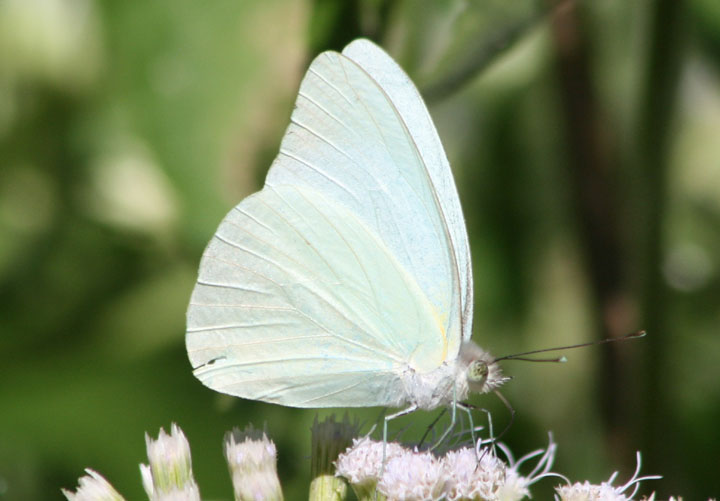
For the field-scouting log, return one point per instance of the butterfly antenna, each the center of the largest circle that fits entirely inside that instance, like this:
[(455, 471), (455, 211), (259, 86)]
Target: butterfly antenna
[(521, 356)]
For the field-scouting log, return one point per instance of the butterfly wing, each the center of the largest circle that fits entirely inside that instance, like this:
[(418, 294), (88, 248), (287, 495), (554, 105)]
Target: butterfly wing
[(351, 265), (298, 302)]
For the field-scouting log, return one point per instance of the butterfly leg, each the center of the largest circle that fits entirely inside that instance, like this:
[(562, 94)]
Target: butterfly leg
[(453, 416), (510, 408), (490, 425), (467, 408), (432, 425), (389, 418)]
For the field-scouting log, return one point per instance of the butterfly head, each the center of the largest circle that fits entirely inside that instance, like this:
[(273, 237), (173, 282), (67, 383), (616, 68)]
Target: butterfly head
[(482, 372)]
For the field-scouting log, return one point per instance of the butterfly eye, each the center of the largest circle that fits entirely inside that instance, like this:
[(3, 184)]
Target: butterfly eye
[(477, 372)]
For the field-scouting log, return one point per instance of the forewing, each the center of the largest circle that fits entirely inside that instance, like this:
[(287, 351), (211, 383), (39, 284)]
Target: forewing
[(298, 302), (406, 99), (352, 139)]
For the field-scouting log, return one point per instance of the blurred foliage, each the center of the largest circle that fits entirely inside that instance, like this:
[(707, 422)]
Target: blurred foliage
[(128, 129)]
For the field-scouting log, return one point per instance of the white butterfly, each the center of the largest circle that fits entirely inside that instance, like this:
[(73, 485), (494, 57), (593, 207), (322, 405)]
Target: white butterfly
[(346, 281)]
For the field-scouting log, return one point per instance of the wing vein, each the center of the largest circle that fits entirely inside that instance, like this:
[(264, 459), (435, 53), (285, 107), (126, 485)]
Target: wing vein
[(330, 84), (324, 140), (328, 113), (253, 218), (319, 171), (229, 286), (236, 326)]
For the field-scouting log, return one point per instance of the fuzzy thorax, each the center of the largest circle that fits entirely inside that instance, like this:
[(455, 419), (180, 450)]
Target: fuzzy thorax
[(473, 371)]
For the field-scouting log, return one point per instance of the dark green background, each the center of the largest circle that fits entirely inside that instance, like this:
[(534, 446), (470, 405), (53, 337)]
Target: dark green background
[(585, 140)]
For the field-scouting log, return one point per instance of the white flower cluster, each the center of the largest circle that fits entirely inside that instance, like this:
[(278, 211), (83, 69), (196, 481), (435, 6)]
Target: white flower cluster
[(605, 491), (252, 459), (413, 476), (169, 475), (464, 474), (93, 487), (470, 477), (361, 463), (250, 455), (376, 471)]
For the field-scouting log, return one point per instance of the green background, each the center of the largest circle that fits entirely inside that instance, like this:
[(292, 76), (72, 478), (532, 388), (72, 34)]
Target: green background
[(585, 141)]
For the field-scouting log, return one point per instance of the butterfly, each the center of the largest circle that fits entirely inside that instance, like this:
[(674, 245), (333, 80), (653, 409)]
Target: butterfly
[(346, 281)]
